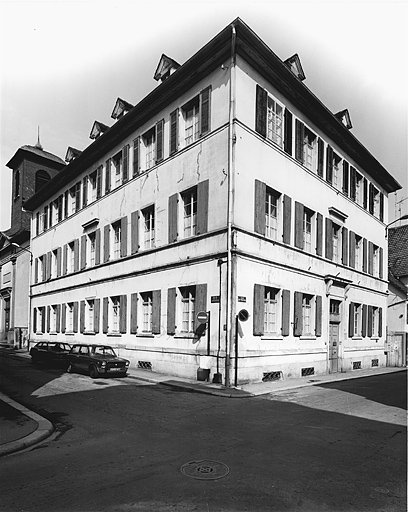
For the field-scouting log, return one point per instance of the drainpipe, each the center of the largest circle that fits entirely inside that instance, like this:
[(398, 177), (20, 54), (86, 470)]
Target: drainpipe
[(230, 273)]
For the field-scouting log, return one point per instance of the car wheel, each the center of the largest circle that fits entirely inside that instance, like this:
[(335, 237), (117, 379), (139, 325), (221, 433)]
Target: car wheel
[(69, 368), (93, 372)]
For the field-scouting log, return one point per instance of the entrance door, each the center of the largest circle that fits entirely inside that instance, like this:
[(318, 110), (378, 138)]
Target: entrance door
[(334, 347)]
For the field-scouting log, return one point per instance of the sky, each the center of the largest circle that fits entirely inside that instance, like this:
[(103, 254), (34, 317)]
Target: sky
[(63, 64)]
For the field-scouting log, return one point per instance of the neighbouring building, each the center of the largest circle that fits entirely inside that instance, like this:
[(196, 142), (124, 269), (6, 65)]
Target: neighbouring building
[(32, 168), (231, 191)]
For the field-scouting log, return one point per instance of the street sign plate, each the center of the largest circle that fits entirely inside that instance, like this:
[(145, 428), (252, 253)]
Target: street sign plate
[(202, 317)]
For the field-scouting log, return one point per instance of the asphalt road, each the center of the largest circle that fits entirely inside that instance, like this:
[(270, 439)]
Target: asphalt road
[(120, 443)]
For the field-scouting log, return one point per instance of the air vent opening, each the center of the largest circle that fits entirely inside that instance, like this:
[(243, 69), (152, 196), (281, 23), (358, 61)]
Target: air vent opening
[(306, 372), (271, 376), (145, 365)]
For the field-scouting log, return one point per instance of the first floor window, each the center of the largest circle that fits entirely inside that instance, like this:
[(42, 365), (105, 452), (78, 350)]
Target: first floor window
[(271, 310), (147, 311), (189, 212), (188, 308), (336, 243), (359, 253), (191, 117), (357, 319), (149, 140), (309, 150), (70, 317), (275, 122), (116, 231), (307, 229), (271, 214), (114, 314), (40, 320), (148, 227), (90, 315), (307, 314)]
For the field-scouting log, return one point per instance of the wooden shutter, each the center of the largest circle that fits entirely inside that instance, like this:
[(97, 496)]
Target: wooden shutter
[(380, 263), (370, 258), (59, 261), (370, 321), (36, 270), (99, 182), (76, 254), (285, 312), (160, 141), (352, 183), (298, 314), (351, 319), (381, 207), (205, 111), (299, 140), (83, 252), (65, 206), (261, 110), (134, 232), (344, 246), (364, 255), (125, 162), (123, 237), (107, 176), (63, 318), (58, 318), (97, 314), (123, 314), (156, 311), (299, 213), (318, 319), (85, 192), (319, 234), (173, 218), (259, 309), (49, 265), (133, 313), (65, 259), (320, 157), (43, 319), (287, 213), (329, 165), (380, 322), (77, 196), (75, 317), (365, 193), (105, 315), (106, 249), (202, 207), (82, 316), (352, 252), (345, 177), (136, 159), (171, 311), (287, 145), (45, 217), (364, 321), (97, 246), (371, 199), (259, 214), (329, 239), (174, 131), (200, 302)]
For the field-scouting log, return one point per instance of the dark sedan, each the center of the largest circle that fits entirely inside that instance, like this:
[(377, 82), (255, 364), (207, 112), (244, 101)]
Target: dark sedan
[(96, 360), (52, 353)]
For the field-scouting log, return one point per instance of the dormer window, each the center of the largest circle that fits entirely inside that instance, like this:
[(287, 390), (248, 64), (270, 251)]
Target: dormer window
[(344, 117), (121, 108), (293, 63), (97, 130), (165, 68)]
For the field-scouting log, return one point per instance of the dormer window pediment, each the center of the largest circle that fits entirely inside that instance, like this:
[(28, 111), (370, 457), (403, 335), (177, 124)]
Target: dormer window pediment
[(344, 117), (165, 68), (121, 108), (72, 153), (294, 64), (98, 129)]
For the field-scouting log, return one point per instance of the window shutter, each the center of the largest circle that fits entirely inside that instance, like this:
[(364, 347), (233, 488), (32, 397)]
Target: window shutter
[(261, 110), (37, 224), (318, 320), (123, 237), (99, 182), (352, 183), (364, 321), (379, 322), (63, 318), (134, 234), (85, 192), (319, 234), (365, 193), (156, 311), (299, 213), (75, 317), (352, 254), (344, 246), (173, 218), (380, 263), (45, 217), (160, 141), (320, 157), (49, 264), (106, 249), (171, 311), (174, 131), (76, 255), (65, 206), (259, 215), (200, 302), (288, 132), (205, 109), (202, 207), (107, 176), (105, 315), (58, 318), (370, 258), (97, 314), (97, 246), (370, 321), (345, 177), (43, 319), (381, 207), (285, 312), (47, 272), (371, 199), (136, 159), (259, 309), (82, 316), (329, 165), (329, 239), (133, 313), (77, 196), (351, 319), (123, 314), (287, 213), (36, 270), (44, 262), (298, 315), (83, 252), (59, 261), (125, 161), (364, 255), (65, 260), (299, 140)]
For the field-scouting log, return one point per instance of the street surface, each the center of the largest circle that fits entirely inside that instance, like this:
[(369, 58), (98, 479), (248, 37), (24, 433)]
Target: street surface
[(120, 443)]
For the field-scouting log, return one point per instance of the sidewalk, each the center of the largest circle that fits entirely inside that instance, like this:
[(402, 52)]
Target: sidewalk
[(21, 428)]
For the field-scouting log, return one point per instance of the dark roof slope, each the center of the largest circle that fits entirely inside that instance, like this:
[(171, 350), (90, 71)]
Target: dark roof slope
[(30, 152), (398, 250)]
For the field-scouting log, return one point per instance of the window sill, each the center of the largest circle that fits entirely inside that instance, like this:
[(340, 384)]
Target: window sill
[(357, 338), (186, 335), (69, 333), (272, 337), (114, 334), (145, 335), (53, 333), (308, 337), (90, 333)]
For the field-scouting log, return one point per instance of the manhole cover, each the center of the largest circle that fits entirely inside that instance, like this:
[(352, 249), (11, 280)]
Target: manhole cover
[(205, 469)]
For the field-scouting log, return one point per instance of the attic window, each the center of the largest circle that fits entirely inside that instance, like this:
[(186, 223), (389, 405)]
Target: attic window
[(121, 108), (165, 68), (344, 117), (98, 129), (294, 64)]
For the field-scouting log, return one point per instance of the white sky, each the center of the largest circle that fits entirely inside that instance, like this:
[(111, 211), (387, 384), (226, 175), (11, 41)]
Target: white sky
[(63, 64)]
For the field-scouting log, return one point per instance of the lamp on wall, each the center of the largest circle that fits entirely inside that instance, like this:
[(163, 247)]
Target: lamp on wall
[(404, 217)]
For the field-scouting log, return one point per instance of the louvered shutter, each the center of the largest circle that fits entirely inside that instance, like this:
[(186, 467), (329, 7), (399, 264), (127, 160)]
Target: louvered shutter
[(202, 207), (75, 317), (365, 193), (329, 239), (83, 252), (287, 218), (205, 111), (97, 314), (65, 260), (43, 319), (171, 311), (261, 110), (288, 132), (85, 192), (319, 312), (381, 207), (173, 218), (156, 311), (45, 220), (160, 141), (298, 314), (97, 246), (352, 183), (134, 234), (380, 322), (285, 312), (76, 255), (99, 182), (133, 313), (58, 318), (65, 206), (123, 237), (345, 177), (82, 316), (106, 249), (319, 234), (371, 199), (299, 140), (108, 175), (364, 321), (259, 309), (320, 157), (77, 196), (123, 314), (136, 162), (364, 255), (352, 255), (351, 319), (380, 263), (34, 313), (200, 302), (36, 270), (370, 321), (299, 213), (329, 165), (105, 315), (259, 215), (370, 258), (125, 160), (63, 318), (174, 133), (344, 246), (59, 261)]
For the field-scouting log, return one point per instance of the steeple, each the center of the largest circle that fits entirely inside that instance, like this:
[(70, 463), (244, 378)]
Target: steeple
[(38, 145)]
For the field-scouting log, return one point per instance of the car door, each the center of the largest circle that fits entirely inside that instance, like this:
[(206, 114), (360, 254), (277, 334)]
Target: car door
[(83, 358)]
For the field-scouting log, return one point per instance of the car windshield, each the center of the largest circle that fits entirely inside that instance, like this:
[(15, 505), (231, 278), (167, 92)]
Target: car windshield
[(104, 351)]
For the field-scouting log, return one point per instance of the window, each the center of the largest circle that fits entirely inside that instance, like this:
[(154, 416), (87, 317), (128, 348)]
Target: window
[(74, 198), (71, 257), (147, 311), (117, 170), (114, 314), (16, 184), (41, 179), (337, 254), (39, 320), (271, 214), (376, 261), (90, 315), (337, 172), (187, 308), (334, 307), (148, 227), (91, 250), (195, 118), (271, 311), (189, 200), (42, 268), (359, 188), (374, 322), (275, 122), (69, 325), (57, 209), (54, 263), (307, 229), (359, 253), (149, 142), (310, 150), (191, 120), (92, 187), (53, 318), (357, 320), (307, 314), (116, 240), (271, 324)]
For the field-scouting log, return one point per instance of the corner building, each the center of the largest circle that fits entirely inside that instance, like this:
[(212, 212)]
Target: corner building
[(229, 187)]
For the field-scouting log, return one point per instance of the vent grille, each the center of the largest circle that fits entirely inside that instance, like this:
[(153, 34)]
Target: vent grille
[(144, 365), (271, 376), (357, 365), (308, 371), (374, 362)]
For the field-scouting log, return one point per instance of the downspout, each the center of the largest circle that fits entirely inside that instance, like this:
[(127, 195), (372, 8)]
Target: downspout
[(231, 141)]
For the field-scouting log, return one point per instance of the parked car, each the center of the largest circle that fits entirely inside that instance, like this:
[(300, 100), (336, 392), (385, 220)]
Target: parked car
[(96, 360), (50, 352)]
